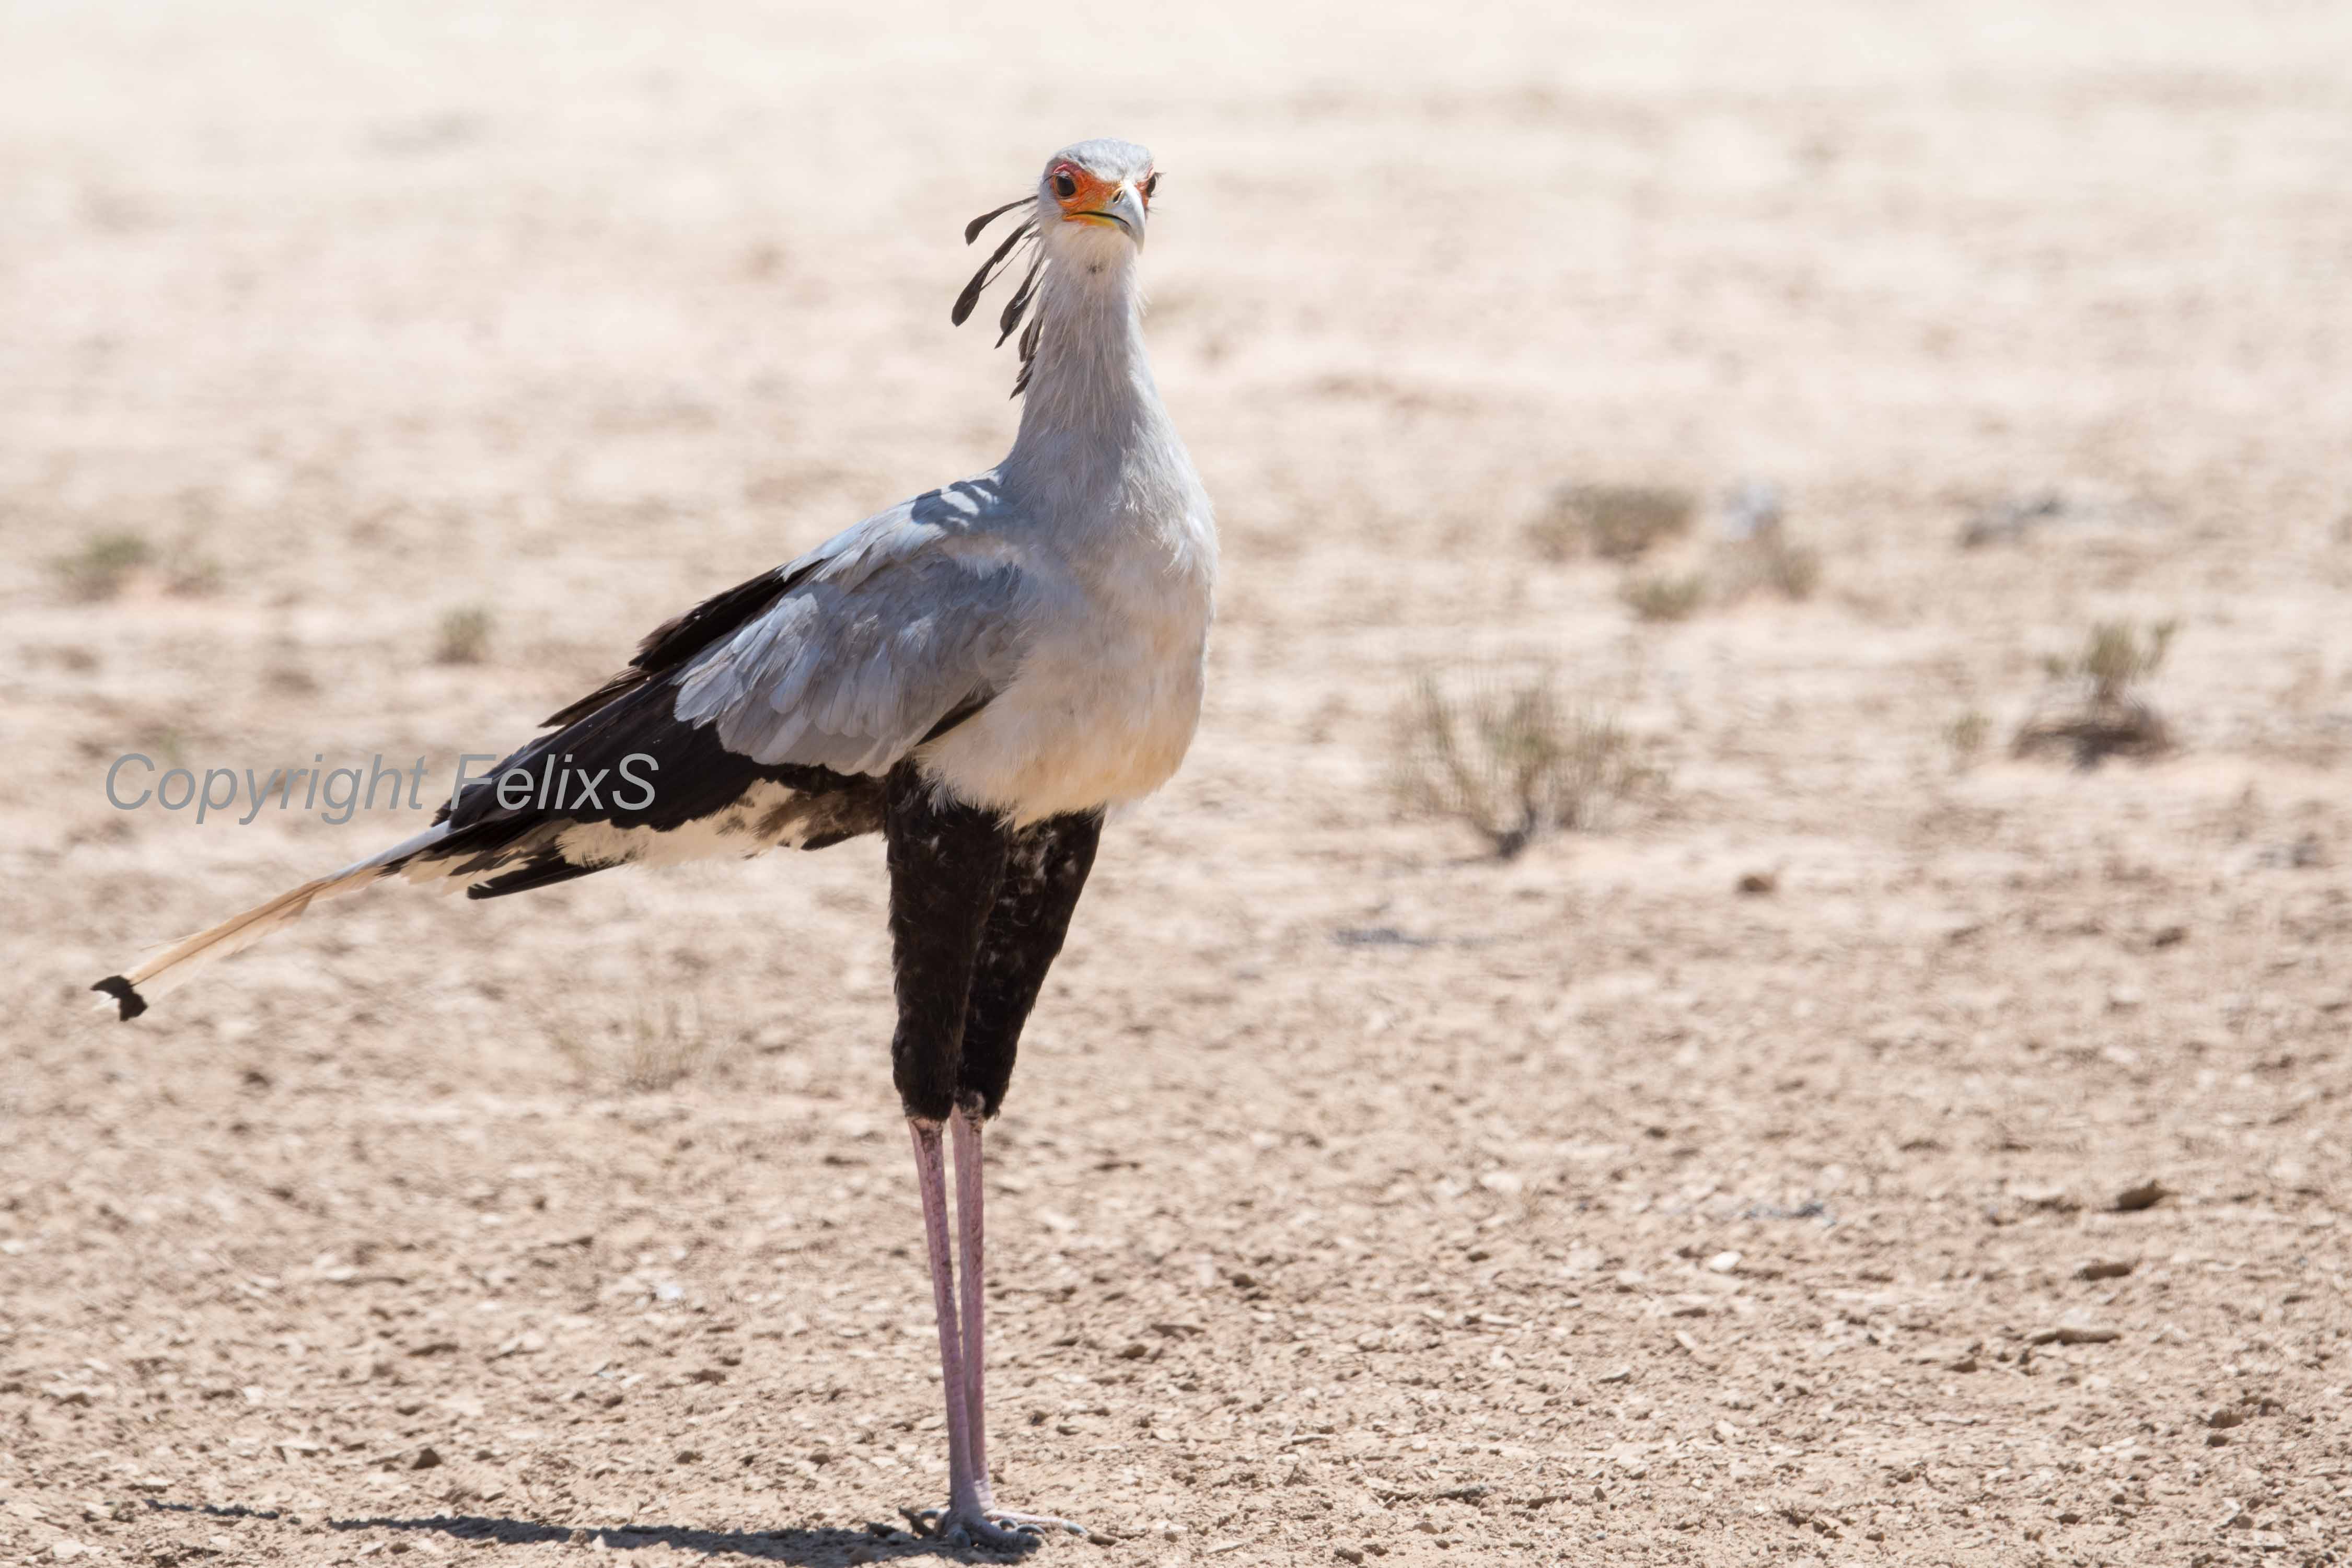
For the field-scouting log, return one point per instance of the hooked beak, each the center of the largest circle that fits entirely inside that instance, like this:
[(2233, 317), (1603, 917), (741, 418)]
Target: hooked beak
[(1124, 209)]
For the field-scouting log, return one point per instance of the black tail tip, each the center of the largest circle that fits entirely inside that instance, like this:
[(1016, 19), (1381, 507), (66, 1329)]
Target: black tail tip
[(124, 993)]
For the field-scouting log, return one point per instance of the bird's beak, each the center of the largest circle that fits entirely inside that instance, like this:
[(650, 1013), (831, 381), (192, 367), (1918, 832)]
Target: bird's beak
[(1125, 210)]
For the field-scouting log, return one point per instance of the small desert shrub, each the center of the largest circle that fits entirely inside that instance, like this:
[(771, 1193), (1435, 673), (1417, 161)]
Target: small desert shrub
[(1616, 522), (2096, 711), (100, 568), (1664, 596), (167, 745), (662, 1047), (1511, 759), (1967, 736), (2116, 656), (657, 1046), (2007, 520), (104, 567), (465, 636), (1757, 553), (1791, 570), (196, 576)]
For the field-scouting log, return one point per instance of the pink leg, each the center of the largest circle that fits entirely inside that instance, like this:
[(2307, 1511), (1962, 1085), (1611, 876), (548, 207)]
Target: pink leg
[(930, 1178), (966, 1522), (972, 1222)]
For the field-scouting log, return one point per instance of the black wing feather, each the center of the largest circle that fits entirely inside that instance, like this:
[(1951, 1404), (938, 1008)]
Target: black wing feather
[(681, 637), (692, 775)]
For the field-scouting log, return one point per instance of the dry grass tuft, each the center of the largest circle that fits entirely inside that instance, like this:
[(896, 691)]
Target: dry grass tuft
[(657, 1047), (106, 565), (1967, 736), (1664, 596), (1769, 560), (1512, 759), (1616, 522), (100, 569), (2010, 519), (194, 576), (2117, 657), (1758, 552), (2096, 712), (465, 636)]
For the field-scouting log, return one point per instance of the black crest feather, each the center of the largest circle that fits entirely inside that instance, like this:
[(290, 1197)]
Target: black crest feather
[(1018, 308), (971, 230), (1028, 353), (1015, 307), (988, 271)]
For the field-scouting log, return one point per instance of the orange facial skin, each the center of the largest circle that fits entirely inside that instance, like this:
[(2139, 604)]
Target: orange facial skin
[(1089, 195)]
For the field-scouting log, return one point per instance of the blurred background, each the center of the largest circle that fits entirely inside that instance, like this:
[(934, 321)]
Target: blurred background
[(1783, 695)]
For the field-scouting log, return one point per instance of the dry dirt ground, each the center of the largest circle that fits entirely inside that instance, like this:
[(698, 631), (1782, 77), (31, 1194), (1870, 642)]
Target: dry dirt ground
[(1360, 1198)]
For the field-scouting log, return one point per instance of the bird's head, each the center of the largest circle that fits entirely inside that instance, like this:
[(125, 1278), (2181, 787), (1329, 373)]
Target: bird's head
[(1090, 210), (1103, 186)]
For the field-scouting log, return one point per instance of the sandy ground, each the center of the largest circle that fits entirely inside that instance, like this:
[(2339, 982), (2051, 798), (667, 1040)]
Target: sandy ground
[(1360, 1198)]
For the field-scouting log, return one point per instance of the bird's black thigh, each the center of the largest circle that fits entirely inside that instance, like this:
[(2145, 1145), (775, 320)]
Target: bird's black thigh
[(947, 861), (1046, 867)]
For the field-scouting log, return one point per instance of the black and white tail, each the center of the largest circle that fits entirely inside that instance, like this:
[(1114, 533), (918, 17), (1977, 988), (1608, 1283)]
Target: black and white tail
[(184, 959), (692, 798)]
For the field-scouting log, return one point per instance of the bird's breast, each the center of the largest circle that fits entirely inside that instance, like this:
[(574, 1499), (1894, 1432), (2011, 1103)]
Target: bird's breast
[(1109, 692)]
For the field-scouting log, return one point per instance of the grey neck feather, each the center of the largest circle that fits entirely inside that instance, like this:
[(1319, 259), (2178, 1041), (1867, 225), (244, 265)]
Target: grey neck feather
[(1091, 403)]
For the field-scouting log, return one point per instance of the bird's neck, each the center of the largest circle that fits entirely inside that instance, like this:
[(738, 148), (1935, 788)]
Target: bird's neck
[(1091, 401)]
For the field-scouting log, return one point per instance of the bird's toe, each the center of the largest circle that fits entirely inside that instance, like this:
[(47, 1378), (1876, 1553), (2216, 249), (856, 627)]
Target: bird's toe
[(1035, 1524), (986, 1534)]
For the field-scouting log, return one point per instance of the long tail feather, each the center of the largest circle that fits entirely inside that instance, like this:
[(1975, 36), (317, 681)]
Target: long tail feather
[(184, 959)]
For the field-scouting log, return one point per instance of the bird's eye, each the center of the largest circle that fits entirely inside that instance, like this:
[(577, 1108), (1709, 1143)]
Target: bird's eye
[(1150, 186), (1066, 184)]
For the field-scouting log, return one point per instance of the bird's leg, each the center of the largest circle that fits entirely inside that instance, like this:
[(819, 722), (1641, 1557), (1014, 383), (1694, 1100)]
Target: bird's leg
[(930, 1178), (946, 860), (968, 1519), (1044, 868), (971, 1225)]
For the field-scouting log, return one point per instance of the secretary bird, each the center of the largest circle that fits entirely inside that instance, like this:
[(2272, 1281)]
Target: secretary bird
[(978, 674)]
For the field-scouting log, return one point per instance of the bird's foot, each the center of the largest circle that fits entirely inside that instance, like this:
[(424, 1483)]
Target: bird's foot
[(987, 1527), (1033, 1523)]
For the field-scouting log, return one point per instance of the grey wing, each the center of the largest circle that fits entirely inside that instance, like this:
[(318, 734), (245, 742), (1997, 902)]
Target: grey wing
[(900, 625)]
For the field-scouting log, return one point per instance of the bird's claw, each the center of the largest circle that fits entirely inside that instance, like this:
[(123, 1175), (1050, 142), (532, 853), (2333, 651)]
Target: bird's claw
[(1035, 1524), (988, 1529)]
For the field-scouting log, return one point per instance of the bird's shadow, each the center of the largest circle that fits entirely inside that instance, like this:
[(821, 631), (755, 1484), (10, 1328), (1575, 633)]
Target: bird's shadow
[(819, 1547)]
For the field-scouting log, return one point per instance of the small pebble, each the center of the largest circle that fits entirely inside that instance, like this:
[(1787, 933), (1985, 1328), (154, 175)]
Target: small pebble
[(2078, 1333)]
